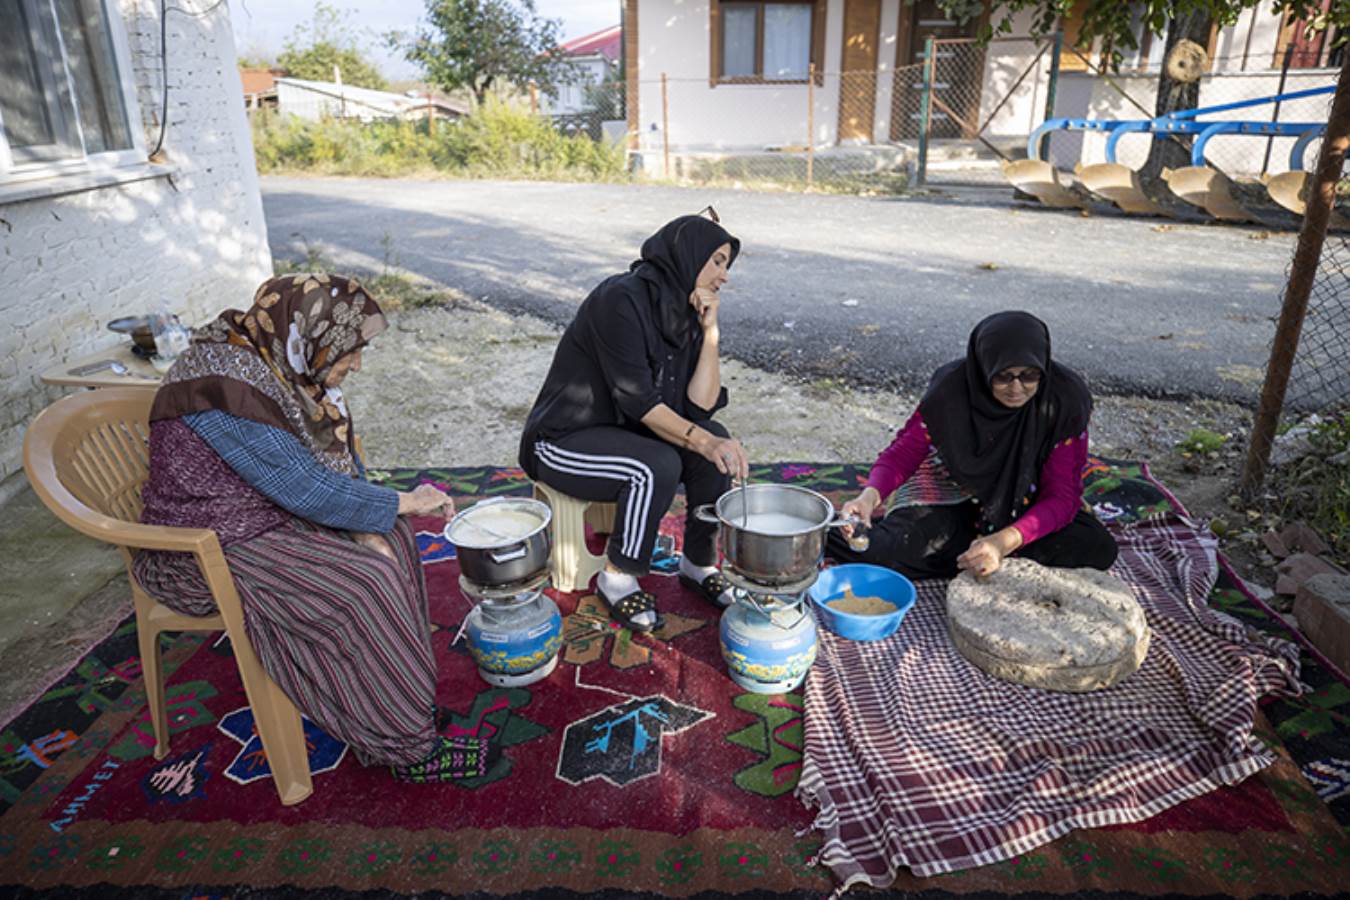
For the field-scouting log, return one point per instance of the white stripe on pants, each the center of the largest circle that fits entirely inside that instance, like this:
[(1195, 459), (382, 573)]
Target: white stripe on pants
[(617, 468)]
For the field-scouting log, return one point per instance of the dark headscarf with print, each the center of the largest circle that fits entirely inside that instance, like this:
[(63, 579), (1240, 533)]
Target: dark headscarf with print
[(268, 363), (671, 262), (994, 451)]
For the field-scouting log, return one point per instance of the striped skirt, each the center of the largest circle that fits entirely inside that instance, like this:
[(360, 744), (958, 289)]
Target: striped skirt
[(343, 630)]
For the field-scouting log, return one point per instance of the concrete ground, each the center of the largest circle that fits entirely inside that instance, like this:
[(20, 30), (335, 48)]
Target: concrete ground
[(451, 386)]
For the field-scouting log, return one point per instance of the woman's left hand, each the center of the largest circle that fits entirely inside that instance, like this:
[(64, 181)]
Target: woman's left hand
[(706, 303), (374, 542)]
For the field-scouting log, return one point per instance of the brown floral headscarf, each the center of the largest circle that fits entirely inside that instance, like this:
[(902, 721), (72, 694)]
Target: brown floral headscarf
[(268, 363)]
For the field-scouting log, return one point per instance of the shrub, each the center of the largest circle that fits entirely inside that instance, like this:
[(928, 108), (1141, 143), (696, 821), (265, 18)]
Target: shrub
[(496, 141), (1317, 487)]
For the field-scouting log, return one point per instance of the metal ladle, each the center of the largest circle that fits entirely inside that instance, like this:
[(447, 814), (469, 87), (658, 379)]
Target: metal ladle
[(745, 511)]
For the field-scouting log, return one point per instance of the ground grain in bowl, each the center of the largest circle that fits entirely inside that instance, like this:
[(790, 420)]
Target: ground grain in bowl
[(861, 606)]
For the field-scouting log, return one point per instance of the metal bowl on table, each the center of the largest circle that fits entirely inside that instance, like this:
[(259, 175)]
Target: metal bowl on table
[(772, 534), (502, 541), (138, 327)]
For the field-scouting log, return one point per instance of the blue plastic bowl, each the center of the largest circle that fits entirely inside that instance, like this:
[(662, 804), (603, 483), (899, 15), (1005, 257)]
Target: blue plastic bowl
[(865, 581)]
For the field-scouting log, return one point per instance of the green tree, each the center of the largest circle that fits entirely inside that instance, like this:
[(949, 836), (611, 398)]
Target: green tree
[(477, 44), (315, 47)]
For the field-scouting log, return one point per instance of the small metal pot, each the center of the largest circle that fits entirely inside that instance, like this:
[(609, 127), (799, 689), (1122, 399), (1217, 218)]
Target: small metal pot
[(139, 329), (502, 562), (777, 558)]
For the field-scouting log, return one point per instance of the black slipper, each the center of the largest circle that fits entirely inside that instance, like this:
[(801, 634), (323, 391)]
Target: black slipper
[(711, 588), (629, 605)]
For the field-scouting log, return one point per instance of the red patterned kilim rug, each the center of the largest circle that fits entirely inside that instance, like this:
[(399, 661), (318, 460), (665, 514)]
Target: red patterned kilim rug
[(635, 769)]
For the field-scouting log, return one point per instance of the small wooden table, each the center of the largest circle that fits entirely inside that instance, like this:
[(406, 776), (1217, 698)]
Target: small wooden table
[(140, 373)]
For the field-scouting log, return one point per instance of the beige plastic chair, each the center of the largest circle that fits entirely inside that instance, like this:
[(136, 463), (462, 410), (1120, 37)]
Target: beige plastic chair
[(571, 564), (86, 456)]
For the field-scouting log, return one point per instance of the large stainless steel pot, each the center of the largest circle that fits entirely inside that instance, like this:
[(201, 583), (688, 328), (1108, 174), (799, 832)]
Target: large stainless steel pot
[(777, 558), (497, 562)]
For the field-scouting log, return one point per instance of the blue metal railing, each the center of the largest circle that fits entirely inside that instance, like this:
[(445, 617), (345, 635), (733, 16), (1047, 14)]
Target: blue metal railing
[(1184, 122)]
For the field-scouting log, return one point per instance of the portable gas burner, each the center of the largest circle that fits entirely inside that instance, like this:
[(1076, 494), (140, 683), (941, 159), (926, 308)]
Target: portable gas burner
[(768, 634), (514, 631)]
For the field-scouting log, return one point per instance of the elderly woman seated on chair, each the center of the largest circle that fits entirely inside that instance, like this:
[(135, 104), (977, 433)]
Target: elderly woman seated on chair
[(250, 437)]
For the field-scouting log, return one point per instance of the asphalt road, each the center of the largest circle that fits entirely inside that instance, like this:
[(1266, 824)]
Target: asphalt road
[(877, 291)]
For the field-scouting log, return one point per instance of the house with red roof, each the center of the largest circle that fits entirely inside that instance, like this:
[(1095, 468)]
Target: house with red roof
[(596, 56)]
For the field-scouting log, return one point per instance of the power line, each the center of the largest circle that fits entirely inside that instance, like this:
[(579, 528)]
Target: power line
[(164, 9)]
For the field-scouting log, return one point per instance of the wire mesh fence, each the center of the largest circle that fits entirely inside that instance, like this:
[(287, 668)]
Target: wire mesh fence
[(1298, 460), (827, 131), (1319, 380), (971, 105)]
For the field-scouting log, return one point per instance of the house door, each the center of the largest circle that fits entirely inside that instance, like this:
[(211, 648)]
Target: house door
[(957, 73), (858, 81)]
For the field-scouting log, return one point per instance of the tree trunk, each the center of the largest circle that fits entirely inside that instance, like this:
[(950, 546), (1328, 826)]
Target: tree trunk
[(1174, 152)]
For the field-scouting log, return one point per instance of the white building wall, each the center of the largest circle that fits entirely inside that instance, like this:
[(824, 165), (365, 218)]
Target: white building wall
[(195, 244), (1249, 44), (674, 38), (887, 48), (572, 95), (296, 100), (1005, 61)]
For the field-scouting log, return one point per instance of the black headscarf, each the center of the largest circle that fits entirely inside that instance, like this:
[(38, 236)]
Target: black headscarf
[(671, 260), (992, 450)]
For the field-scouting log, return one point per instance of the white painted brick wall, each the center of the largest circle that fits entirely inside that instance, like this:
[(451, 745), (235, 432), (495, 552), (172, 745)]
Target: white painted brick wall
[(195, 244)]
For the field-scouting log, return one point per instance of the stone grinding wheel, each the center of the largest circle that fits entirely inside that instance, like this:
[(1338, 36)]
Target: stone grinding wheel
[(1186, 62), (1059, 629)]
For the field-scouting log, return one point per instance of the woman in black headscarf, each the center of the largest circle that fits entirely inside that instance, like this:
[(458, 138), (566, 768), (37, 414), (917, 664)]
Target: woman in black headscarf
[(989, 466), (625, 413)]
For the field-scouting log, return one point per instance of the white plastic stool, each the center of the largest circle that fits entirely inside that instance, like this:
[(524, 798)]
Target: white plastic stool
[(571, 564)]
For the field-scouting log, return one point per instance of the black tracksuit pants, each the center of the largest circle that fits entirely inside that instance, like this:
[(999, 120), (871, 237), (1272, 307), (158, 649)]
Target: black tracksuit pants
[(924, 542), (640, 475)]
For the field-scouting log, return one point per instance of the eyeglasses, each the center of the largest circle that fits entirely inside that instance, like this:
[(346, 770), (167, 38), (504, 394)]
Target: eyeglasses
[(711, 214), (1029, 378)]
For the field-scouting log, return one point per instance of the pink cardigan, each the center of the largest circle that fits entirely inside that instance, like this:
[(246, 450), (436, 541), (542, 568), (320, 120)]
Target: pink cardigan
[(1059, 492)]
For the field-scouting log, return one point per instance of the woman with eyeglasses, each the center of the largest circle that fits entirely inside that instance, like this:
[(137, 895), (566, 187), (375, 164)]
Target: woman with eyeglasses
[(625, 414), (990, 465)]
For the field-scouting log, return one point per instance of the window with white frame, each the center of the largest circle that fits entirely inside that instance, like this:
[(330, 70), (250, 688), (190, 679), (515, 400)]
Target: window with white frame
[(67, 100)]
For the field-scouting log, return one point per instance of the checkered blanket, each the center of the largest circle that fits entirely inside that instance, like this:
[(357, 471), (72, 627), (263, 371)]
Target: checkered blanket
[(916, 758)]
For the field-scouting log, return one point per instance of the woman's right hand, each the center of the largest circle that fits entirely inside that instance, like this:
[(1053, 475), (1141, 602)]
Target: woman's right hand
[(860, 506), (728, 455), (425, 500)]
